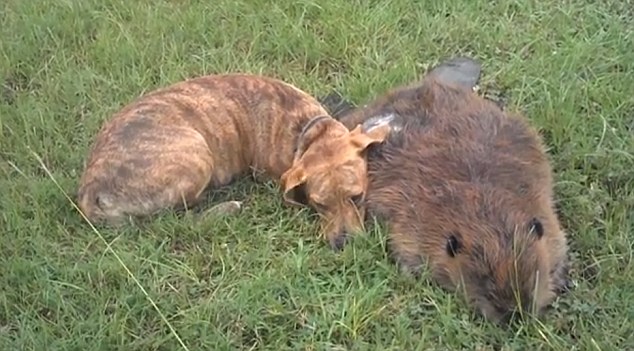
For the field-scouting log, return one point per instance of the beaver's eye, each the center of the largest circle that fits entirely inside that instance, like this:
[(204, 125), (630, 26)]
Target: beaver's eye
[(536, 227), (357, 198), (453, 244)]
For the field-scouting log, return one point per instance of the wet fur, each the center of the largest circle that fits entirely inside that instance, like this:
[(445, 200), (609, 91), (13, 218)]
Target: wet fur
[(167, 148), (466, 189)]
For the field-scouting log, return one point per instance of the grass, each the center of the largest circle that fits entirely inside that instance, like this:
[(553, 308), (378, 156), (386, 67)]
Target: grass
[(263, 279)]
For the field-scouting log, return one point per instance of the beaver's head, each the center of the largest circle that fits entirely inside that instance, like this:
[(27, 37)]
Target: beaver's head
[(508, 258)]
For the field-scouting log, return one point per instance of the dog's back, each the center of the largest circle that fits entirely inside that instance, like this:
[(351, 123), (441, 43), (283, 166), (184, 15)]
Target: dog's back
[(244, 119)]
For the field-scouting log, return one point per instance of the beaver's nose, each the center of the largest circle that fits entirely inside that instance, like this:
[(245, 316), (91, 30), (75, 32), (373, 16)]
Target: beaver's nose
[(507, 317), (510, 316)]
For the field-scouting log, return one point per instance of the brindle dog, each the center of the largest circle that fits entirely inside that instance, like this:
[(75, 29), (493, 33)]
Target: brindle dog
[(166, 148)]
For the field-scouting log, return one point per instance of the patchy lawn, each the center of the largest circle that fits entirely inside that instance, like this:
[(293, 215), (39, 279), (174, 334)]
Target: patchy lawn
[(263, 279)]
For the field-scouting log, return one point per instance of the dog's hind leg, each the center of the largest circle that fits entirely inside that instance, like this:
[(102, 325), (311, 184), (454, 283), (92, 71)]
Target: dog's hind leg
[(168, 168)]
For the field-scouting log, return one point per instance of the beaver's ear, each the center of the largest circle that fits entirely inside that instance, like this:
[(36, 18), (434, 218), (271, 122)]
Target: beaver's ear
[(454, 244), (536, 227), (294, 181)]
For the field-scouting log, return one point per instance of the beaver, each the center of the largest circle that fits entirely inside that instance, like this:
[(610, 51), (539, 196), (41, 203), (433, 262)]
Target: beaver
[(466, 190)]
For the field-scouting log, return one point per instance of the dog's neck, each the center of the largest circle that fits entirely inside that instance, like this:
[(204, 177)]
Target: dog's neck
[(311, 123), (301, 144)]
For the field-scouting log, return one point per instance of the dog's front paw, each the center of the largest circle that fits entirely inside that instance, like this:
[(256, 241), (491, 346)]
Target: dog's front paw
[(225, 208)]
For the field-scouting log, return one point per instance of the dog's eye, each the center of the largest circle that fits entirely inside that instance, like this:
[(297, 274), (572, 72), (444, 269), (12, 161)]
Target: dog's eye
[(319, 207), (357, 198), (453, 245)]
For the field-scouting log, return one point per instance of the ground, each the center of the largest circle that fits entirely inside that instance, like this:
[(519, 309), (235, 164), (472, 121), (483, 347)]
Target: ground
[(263, 279)]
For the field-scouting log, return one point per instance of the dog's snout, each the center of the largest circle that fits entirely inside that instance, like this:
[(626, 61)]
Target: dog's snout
[(339, 241), (341, 224)]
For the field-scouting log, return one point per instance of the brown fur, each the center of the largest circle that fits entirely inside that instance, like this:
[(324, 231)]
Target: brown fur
[(165, 149), (466, 188)]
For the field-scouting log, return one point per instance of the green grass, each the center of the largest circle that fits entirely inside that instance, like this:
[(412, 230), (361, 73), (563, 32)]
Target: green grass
[(263, 279)]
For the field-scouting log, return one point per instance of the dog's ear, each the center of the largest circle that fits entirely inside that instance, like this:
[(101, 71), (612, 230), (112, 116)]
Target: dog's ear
[(294, 181), (373, 130)]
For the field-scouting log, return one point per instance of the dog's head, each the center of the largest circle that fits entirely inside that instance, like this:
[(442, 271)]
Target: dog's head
[(329, 173)]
